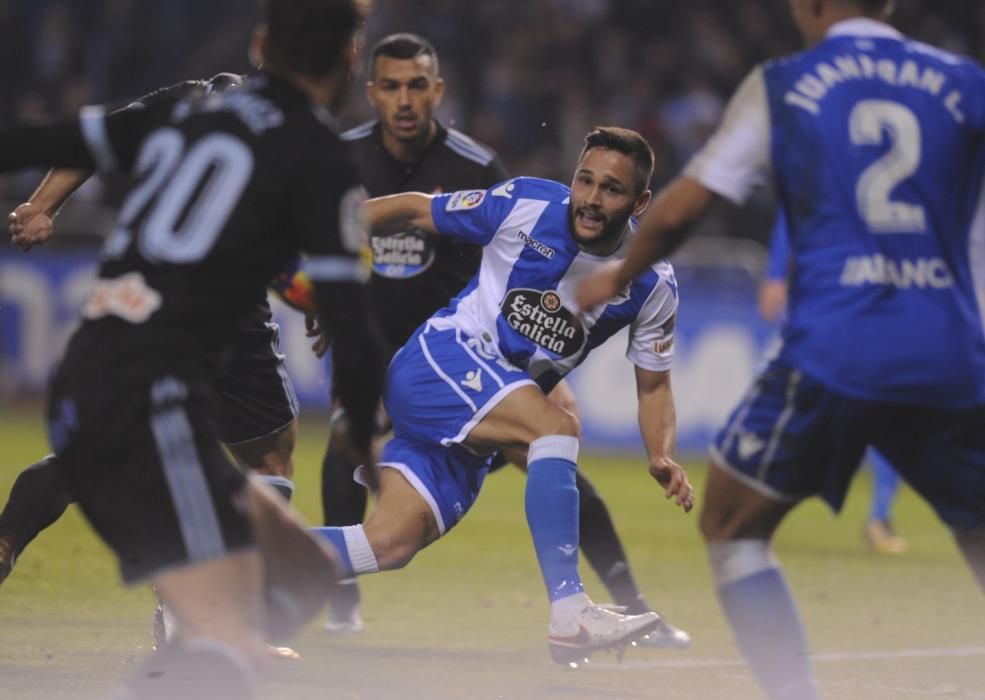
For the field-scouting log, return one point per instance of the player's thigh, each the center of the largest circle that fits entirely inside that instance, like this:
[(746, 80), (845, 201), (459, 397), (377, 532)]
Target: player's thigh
[(256, 399), (942, 455), (141, 455), (790, 438), (432, 485), (734, 510), (271, 454), (563, 397), (519, 419)]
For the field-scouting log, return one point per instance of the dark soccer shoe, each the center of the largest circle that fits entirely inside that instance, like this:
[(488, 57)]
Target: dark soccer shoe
[(8, 555)]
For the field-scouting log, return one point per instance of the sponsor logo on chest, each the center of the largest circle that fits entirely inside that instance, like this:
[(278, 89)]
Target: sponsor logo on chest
[(542, 318), (402, 255)]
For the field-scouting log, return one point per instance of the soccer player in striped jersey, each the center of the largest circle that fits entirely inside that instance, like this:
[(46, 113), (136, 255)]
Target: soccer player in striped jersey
[(876, 144), (472, 380), (407, 149)]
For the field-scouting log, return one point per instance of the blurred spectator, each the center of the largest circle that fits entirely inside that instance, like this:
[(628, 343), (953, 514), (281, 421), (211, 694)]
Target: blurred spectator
[(529, 77)]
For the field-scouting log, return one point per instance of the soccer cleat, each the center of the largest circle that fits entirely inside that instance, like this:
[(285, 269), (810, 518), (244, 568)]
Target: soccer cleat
[(664, 636), (349, 623), (598, 629), (8, 556), (880, 537)]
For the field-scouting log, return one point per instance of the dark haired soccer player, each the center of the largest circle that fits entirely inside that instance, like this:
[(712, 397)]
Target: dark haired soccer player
[(406, 149), (876, 144), (473, 379), (258, 406), (230, 188)]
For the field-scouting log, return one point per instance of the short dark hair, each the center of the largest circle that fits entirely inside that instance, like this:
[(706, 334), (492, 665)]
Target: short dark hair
[(403, 46), (873, 7), (627, 142), (309, 36)]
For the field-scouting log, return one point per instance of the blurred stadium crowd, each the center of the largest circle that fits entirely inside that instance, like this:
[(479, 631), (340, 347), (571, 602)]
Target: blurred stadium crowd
[(528, 77)]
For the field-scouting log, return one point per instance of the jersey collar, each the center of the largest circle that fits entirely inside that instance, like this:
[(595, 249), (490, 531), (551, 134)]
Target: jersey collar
[(863, 27)]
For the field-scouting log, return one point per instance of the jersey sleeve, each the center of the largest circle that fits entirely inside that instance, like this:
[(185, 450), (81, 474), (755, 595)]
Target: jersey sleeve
[(651, 336), (95, 140), (472, 216), (737, 159)]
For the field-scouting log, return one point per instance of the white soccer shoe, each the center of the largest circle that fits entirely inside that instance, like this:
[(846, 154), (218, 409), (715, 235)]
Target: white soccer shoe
[(599, 628), (348, 623), (663, 636)]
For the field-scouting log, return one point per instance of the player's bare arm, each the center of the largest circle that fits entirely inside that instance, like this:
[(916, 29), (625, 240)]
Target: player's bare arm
[(32, 223), (665, 226), (658, 426), (398, 212)]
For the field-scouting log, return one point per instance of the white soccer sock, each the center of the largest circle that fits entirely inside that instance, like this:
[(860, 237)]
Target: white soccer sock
[(563, 612), (360, 553)]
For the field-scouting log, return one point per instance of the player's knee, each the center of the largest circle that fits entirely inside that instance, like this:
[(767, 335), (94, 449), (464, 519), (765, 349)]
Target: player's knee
[(393, 552), (714, 525), (561, 423)]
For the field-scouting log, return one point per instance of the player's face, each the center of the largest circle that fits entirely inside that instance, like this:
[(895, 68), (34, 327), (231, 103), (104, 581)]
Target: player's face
[(604, 194), (405, 93)]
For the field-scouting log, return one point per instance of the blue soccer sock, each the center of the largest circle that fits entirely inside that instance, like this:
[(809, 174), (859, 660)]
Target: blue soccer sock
[(764, 618), (885, 486), (552, 512), (355, 553)]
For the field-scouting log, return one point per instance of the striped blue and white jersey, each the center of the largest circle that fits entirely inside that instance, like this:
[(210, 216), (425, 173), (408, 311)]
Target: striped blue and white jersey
[(876, 145), (521, 304)]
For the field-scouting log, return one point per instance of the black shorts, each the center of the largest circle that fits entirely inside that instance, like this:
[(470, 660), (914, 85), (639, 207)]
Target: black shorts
[(256, 397), (133, 426)]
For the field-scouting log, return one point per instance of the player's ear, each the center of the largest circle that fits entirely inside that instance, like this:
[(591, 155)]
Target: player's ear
[(642, 202), (439, 91), (258, 46)]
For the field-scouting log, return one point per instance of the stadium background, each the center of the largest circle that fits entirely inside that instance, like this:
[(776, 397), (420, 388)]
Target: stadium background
[(519, 79), (467, 618)]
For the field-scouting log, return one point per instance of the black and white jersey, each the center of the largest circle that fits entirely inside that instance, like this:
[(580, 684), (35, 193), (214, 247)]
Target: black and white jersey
[(414, 273), (228, 189)]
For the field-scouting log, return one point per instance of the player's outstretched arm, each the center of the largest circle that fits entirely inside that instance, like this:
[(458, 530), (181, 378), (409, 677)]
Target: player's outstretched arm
[(658, 427), (32, 223), (399, 212), (664, 227)]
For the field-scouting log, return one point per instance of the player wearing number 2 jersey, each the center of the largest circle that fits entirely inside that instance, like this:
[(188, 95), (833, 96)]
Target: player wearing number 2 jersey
[(876, 145)]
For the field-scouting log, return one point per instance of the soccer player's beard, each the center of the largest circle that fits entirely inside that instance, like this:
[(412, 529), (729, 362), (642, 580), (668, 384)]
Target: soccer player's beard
[(607, 241)]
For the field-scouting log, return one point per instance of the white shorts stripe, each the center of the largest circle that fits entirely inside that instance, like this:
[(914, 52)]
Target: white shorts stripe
[(781, 424), (437, 370), (190, 493)]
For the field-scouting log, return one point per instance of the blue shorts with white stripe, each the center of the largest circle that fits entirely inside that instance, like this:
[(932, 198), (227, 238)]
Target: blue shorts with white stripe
[(791, 437), (442, 384)]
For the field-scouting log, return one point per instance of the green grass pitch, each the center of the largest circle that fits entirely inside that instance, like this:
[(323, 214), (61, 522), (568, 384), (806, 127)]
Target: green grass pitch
[(467, 619)]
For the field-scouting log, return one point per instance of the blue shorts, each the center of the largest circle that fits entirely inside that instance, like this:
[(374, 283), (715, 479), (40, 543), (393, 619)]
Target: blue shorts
[(790, 438), (442, 384), (449, 478)]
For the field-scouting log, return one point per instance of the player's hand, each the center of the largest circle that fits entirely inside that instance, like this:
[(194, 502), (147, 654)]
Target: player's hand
[(772, 299), (673, 478), (29, 226), (598, 287), (312, 329)]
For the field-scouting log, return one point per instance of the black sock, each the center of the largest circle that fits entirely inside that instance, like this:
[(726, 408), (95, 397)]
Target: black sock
[(603, 549), (38, 498), (343, 500)]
